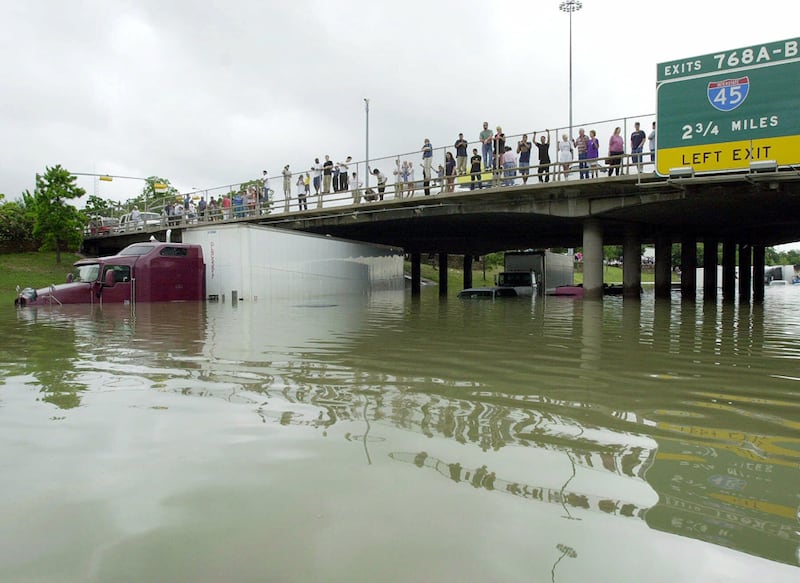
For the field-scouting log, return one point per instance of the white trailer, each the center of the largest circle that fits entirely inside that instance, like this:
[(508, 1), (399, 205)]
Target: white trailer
[(257, 262), (547, 270)]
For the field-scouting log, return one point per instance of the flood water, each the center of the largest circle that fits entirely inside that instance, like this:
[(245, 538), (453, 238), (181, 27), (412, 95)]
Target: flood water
[(385, 438)]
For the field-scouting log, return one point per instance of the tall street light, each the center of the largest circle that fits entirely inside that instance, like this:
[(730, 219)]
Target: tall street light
[(570, 6), (366, 172)]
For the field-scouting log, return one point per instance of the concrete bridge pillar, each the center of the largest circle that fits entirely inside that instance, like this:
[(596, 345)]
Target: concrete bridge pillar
[(416, 273), (710, 262), (663, 266), (442, 274), (745, 277), (632, 264), (689, 267), (759, 258), (467, 271), (728, 270), (592, 259)]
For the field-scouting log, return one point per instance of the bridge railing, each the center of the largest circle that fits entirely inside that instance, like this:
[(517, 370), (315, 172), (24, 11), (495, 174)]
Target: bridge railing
[(247, 199)]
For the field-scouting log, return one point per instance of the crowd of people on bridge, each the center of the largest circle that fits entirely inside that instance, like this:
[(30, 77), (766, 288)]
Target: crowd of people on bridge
[(494, 162)]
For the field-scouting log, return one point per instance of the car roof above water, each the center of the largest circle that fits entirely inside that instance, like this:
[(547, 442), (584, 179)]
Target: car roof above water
[(487, 292)]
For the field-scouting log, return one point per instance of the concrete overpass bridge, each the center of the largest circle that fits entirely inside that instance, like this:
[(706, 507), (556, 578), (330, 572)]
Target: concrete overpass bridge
[(745, 212)]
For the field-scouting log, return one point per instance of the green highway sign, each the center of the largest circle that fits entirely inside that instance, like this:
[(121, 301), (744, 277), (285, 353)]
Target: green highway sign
[(719, 112)]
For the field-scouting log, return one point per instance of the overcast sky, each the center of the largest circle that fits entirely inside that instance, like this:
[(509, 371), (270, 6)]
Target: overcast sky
[(207, 93)]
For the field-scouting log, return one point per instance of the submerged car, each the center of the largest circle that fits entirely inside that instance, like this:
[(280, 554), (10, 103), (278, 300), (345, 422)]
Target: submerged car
[(487, 293)]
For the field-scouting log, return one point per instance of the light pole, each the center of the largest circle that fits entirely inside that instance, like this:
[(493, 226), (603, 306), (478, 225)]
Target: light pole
[(366, 171), (570, 6)]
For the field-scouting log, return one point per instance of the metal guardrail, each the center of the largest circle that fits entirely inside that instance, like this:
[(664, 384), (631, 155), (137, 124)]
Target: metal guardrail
[(296, 192)]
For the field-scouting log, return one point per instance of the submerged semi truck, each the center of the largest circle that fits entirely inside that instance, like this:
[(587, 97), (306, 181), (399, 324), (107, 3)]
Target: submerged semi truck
[(247, 262), (142, 272)]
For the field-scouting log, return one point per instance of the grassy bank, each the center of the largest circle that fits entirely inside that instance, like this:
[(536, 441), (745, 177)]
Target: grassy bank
[(34, 269)]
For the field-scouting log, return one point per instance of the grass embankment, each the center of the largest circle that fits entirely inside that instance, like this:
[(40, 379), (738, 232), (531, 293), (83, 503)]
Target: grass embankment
[(34, 269), (455, 277)]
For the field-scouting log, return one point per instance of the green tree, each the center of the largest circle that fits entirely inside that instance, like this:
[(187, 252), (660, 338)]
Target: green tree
[(55, 222), (96, 206), (16, 226), (156, 189)]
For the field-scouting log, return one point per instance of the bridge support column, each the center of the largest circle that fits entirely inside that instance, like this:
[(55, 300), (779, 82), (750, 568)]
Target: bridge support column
[(592, 259), (710, 261), (688, 267), (745, 277), (416, 273), (759, 257), (467, 271), (442, 274), (728, 270), (663, 266), (632, 264)]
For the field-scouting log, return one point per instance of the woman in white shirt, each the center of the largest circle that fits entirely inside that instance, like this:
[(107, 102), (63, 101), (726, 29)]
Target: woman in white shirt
[(565, 155)]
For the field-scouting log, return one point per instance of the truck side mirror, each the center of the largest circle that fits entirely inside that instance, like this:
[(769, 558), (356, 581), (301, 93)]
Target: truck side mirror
[(69, 278), (109, 278)]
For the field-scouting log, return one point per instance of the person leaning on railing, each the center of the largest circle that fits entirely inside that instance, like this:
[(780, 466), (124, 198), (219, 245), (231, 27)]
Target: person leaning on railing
[(616, 149)]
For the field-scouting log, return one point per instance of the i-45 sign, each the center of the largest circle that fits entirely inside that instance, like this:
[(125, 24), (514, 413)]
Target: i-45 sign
[(729, 94), (722, 111)]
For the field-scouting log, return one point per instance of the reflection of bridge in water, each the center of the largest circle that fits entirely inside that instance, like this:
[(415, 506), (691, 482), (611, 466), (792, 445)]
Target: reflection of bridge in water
[(710, 487), (743, 212)]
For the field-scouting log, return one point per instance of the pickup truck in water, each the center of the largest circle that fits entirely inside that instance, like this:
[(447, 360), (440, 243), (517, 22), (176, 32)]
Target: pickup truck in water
[(142, 272)]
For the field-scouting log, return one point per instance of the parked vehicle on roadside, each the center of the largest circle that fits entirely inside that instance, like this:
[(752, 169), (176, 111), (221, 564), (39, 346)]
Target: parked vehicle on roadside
[(146, 220), (99, 226)]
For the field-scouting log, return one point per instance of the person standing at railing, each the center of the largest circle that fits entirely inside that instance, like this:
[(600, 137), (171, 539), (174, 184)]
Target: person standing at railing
[(440, 177), (637, 145), (301, 193), (524, 151), (450, 171), (336, 174), (287, 187), (581, 143), (509, 164), (565, 155), (593, 153), (355, 186), (317, 170), (212, 209), (327, 173), (461, 154), (543, 146), (499, 147), (427, 160), (411, 185), (651, 143), (226, 207), (398, 179), (486, 141), (344, 168), (475, 170), (381, 181), (616, 149)]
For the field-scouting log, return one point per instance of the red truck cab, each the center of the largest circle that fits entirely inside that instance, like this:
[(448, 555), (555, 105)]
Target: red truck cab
[(142, 272)]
